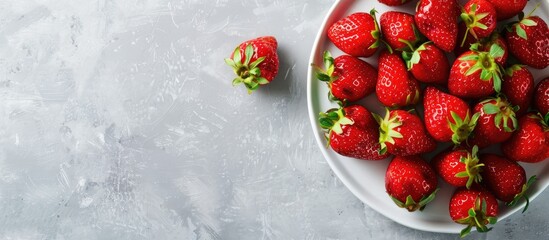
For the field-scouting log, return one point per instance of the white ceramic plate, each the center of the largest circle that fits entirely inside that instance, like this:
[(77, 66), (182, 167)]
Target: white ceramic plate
[(366, 179)]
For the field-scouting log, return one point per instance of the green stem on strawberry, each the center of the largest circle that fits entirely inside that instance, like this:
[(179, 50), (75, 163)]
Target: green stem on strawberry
[(522, 194), (327, 74), (477, 218), (376, 33), (333, 120), (248, 73), (462, 128), (472, 167), (504, 112), (387, 134), (412, 205), (413, 57), (486, 63), (472, 20)]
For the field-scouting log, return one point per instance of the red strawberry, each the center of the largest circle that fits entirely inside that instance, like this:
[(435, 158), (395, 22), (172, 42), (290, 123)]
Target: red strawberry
[(475, 207), (484, 44), (506, 179), (399, 30), (530, 143), (529, 41), (393, 2), (447, 118), (518, 87), (410, 182), (356, 34), (458, 167), (255, 62), (542, 96), (496, 122), (437, 20), (402, 133), (479, 17), (476, 74), (428, 64), (348, 77), (395, 86), (506, 9), (352, 132)]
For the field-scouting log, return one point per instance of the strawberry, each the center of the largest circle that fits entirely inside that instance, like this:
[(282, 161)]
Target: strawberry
[(483, 44), (530, 143), (437, 20), (474, 207), (496, 122), (476, 74), (447, 118), (529, 41), (402, 133), (395, 86), (542, 96), (399, 30), (348, 77), (428, 64), (411, 182), (479, 17), (518, 87), (506, 179), (506, 9), (357, 34), (260, 64), (458, 167), (352, 132), (393, 2)]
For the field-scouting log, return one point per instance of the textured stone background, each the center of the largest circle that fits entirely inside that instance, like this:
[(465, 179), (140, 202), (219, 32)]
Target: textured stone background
[(118, 121)]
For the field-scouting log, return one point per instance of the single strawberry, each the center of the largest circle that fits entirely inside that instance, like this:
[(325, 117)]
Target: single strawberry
[(411, 182), (476, 74), (402, 133), (447, 118), (542, 97), (352, 131), (529, 41), (518, 87), (399, 30), (459, 167), (506, 9), (530, 143), (349, 78), (255, 62), (395, 86), (474, 207), (428, 64), (496, 122), (506, 179), (479, 16), (393, 2), (357, 34), (437, 20), (483, 44)]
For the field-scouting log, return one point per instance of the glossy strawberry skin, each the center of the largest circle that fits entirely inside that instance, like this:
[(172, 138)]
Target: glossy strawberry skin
[(506, 9), (530, 142), (437, 20), (534, 50), (447, 164), (518, 87), (414, 138), (355, 78), (468, 86), (359, 140), (433, 66), (542, 96), (395, 86), (437, 106), (503, 177), (353, 34), (490, 21), (410, 176), (397, 26), (263, 47), (393, 2), (464, 199), (486, 132)]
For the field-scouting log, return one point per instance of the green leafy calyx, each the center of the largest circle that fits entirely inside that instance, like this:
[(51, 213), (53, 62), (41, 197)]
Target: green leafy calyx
[(247, 73), (472, 167), (477, 218), (387, 132), (462, 128)]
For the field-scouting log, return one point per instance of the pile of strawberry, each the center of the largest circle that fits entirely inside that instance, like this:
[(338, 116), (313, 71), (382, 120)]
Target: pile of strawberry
[(486, 97)]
